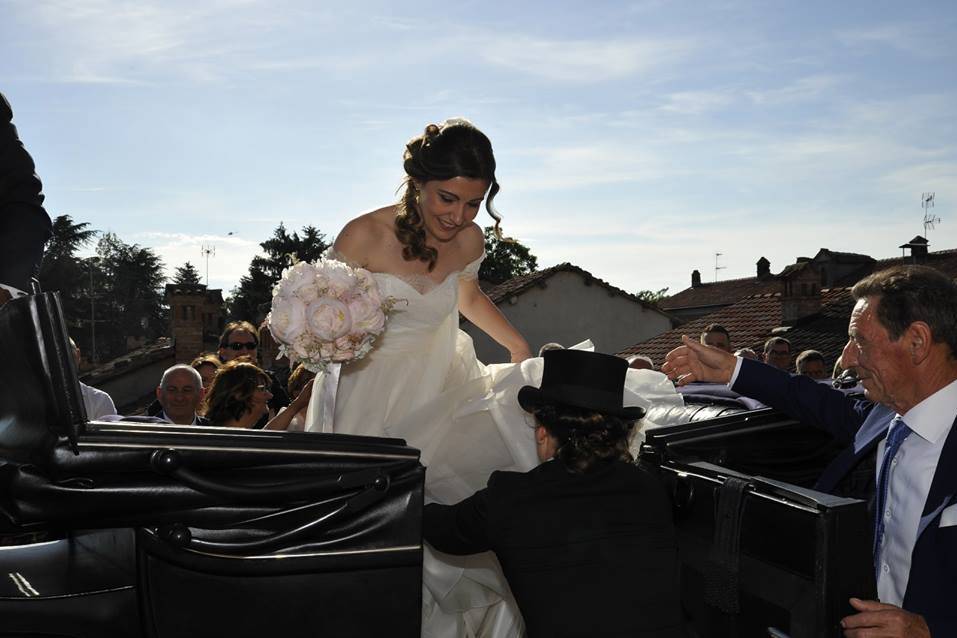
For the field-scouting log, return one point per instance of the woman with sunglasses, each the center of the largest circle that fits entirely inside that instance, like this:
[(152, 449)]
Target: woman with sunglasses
[(239, 398), (240, 339)]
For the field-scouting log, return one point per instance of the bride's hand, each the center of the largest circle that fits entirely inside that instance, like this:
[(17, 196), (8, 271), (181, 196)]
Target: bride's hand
[(520, 355)]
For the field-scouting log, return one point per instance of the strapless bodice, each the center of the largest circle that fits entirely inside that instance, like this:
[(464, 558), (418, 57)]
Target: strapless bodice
[(422, 307)]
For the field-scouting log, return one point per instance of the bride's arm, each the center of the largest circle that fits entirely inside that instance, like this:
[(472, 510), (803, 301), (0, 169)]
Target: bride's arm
[(479, 309), (282, 420)]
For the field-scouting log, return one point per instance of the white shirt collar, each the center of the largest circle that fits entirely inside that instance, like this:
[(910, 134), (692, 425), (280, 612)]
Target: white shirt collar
[(932, 417), (163, 416)]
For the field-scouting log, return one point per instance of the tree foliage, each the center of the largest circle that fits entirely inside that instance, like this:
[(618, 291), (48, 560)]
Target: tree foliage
[(186, 274), (129, 295), (250, 300), (63, 271), (505, 258), (653, 297)]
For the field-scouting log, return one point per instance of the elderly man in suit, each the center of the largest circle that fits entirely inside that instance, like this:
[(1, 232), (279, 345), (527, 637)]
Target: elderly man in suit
[(903, 345), (24, 224), (179, 394)]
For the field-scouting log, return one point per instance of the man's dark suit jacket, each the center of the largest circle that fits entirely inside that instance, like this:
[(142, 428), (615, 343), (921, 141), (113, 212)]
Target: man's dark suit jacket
[(584, 554), (24, 224), (932, 583)]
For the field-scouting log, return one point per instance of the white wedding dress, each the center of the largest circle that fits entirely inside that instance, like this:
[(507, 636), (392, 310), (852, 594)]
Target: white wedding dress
[(423, 383)]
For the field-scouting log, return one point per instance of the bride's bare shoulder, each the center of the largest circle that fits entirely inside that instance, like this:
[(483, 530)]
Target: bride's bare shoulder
[(362, 237), (471, 240)]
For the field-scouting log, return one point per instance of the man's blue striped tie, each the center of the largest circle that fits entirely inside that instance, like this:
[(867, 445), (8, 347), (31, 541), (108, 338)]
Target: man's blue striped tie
[(898, 432)]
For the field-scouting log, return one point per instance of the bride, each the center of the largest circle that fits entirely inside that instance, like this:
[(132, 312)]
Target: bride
[(422, 381)]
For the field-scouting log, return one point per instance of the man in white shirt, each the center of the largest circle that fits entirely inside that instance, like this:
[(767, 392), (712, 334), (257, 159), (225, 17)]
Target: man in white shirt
[(97, 402), (179, 393), (903, 345)]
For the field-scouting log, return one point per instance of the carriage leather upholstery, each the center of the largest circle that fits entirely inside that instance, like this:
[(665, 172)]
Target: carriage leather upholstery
[(134, 529)]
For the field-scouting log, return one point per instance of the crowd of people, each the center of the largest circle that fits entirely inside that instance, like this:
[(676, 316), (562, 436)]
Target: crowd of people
[(226, 388), (585, 538)]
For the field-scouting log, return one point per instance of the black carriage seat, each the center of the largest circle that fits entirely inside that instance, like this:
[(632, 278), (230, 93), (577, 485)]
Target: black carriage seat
[(134, 529)]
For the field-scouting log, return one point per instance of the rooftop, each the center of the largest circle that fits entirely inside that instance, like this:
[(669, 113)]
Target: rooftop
[(517, 285), (751, 320), (720, 292)]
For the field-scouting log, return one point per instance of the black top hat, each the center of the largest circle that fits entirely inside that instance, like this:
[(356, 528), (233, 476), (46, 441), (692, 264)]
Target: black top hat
[(581, 379)]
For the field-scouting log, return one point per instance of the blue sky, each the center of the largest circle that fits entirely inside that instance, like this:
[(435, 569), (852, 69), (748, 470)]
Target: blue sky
[(635, 140)]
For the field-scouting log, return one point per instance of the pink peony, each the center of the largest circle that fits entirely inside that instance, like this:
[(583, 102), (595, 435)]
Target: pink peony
[(287, 319), (367, 315), (299, 276), (328, 319), (339, 278), (345, 350)]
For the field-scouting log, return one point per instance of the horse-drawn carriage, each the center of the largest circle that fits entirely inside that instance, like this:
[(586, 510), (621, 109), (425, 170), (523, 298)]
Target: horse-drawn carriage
[(134, 529)]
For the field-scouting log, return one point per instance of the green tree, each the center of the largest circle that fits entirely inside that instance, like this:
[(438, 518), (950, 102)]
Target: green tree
[(654, 297), (63, 271), (186, 274), (505, 258), (250, 300), (130, 301)]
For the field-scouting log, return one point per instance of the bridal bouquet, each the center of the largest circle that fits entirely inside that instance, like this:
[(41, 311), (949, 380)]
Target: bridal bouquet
[(326, 312)]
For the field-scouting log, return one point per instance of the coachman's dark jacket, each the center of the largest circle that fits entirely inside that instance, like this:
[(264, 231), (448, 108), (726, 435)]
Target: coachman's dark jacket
[(585, 554)]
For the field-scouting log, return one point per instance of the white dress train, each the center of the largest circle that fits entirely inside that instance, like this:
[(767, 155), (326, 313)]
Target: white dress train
[(423, 383)]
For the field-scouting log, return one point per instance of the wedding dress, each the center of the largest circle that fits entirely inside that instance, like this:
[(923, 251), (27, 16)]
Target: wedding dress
[(423, 383)]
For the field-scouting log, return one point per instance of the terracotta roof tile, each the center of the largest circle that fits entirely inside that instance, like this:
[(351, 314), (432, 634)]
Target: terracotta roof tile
[(720, 292), (751, 320), (517, 285)]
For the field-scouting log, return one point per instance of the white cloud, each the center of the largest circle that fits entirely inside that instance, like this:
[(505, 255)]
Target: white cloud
[(226, 266), (914, 38), (564, 167), (697, 102), (109, 42), (801, 90), (583, 61), (939, 177)]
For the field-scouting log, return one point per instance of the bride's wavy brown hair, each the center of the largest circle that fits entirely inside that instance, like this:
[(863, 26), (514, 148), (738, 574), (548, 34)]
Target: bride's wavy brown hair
[(453, 149)]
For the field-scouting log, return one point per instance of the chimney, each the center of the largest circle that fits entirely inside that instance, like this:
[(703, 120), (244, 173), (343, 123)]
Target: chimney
[(802, 294), (764, 268), (918, 249), (695, 279)]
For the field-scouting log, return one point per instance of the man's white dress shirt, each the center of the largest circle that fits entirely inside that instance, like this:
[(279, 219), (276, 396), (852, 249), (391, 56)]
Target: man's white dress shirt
[(97, 402), (908, 484)]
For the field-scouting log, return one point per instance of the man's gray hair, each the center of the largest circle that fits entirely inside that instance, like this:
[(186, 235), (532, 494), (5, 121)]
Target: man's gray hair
[(182, 366)]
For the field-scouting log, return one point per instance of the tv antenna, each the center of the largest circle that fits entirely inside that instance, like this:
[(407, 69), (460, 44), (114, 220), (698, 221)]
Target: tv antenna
[(927, 202), (208, 250), (717, 267)]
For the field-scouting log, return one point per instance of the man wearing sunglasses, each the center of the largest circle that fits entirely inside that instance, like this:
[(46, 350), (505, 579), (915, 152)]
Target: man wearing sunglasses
[(241, 339)]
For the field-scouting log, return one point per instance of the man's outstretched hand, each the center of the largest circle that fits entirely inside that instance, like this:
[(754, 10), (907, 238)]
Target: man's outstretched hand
[(695, 362), (5, 296), (879, 620)]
